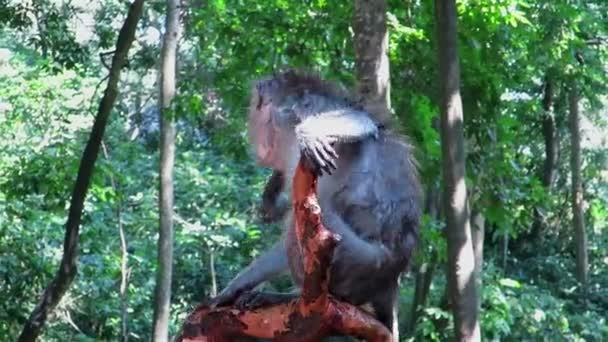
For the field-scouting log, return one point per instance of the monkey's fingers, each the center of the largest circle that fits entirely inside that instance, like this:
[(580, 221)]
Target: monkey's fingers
[(327, 157), (217, 302), (320, 162), (225, 298), (327, 169), (329, 148), (250, 300)]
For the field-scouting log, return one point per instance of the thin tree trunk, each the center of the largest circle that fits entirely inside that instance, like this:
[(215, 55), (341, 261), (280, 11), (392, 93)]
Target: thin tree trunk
[(478, 222), (213, 275), (505, 251), (67, 269), (424, 278), (551, 151), (461, 257), (550, 136), (124, 260), (124, 277), (373, 72), (164, 272), (578, 222), (371, 54), (424, 274)]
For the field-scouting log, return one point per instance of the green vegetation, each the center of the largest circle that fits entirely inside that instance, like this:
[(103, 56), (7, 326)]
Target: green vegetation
[(53, 66)]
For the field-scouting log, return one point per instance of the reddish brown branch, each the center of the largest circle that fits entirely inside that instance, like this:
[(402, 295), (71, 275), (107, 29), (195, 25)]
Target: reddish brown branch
[(309, 318)]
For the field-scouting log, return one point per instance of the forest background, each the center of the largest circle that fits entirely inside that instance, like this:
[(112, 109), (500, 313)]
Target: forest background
[(527, 68)]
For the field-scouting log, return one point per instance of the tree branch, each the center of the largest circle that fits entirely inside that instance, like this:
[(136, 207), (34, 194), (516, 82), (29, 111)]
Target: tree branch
[(312, 316)]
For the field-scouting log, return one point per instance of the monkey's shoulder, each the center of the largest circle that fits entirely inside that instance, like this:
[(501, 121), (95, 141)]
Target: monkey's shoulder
[(389, 155), (378, 172)]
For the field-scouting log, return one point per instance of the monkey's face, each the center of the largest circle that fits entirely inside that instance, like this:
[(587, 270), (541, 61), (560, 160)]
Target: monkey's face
[(262, 132)]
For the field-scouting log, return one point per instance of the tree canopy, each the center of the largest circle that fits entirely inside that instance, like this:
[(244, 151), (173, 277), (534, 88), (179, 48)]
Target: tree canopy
[(520, 62)]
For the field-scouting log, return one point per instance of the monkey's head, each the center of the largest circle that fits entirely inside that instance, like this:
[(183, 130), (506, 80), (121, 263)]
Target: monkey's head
[(271, 120), (279, 103)]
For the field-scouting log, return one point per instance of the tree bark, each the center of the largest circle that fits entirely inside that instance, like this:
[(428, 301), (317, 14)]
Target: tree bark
[(551, 151), (423, 279), (124, 277), (461, 257), (213, 291), (68, 269), (373, 71), (425, 272), (371, 54), (478, 222), (162, 300), (578, 222), (549, 134)]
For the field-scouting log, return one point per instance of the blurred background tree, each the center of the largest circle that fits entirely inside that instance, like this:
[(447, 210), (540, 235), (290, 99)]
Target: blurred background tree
[(522, 65)]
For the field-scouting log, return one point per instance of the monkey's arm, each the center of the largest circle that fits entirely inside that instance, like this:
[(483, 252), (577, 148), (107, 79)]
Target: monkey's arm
[(318, 133), (274, 206), (268, 266), (342, 125)]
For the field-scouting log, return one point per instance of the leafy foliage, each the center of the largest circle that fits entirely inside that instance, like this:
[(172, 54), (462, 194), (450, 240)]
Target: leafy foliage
[(49, 87)]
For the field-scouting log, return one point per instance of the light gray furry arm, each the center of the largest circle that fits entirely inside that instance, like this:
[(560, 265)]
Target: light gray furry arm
[(269, 265), (337, 126), (318, 133)]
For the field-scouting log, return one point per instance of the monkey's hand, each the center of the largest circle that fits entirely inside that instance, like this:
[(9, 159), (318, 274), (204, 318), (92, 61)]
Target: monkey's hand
[(273, 212), (252, 300), (318, 133), (319, 153), (228, 296)]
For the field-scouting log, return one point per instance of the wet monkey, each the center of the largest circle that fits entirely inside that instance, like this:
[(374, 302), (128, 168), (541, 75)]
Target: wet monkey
[(368, 191)]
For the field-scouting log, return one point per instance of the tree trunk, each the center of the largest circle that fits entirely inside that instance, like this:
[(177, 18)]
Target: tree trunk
[(124, 277), (461, 257), (124, 259), (162, 299), (371, 54), (373, 72), (478, 223), (213, 291), (425, 272), (423, 279), (551, 150), (580, 235), (550, 135), (67, 269), (505, 251)]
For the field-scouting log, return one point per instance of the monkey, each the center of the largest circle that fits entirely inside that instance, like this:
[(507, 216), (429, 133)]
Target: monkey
[(368, 191)]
